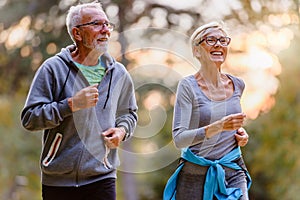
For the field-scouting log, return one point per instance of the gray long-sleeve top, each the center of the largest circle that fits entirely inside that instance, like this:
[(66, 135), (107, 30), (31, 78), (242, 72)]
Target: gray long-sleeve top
[(193, 110)]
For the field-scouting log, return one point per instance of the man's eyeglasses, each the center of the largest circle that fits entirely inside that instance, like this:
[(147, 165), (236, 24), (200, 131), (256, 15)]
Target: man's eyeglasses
[(211, 41), (99, 25)]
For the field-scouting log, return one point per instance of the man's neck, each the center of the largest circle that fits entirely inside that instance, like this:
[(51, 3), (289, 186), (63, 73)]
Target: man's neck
[(90, 58)]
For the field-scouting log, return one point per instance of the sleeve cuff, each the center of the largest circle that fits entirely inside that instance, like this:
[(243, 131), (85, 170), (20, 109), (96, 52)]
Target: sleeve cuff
[(126, 136)]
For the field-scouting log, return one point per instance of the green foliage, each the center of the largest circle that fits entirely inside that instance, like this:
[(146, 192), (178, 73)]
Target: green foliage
[(19, 155), (274, 137)]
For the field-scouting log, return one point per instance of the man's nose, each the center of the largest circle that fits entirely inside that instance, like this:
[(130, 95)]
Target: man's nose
[(105, 29)]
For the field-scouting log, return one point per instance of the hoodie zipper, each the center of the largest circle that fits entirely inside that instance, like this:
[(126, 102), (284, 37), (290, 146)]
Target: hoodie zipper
[(71, 64), (77, 169), (107, 97)]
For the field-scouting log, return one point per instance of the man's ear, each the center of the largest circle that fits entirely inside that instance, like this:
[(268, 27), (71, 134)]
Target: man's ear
[(76, 33)]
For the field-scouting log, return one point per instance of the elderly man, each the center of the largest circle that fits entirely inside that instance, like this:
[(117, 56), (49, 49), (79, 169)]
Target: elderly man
[(84, 102)]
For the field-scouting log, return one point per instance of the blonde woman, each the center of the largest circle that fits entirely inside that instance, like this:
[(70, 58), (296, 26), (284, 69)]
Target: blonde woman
[(207, 125)]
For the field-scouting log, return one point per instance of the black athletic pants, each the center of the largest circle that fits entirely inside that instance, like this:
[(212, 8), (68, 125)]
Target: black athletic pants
[(101, 190)]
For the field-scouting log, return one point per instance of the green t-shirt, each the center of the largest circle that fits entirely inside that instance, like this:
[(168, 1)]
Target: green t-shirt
[(93, 74)]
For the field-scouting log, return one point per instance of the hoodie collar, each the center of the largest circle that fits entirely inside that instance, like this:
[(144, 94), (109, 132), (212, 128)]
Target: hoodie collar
[(106, 59)]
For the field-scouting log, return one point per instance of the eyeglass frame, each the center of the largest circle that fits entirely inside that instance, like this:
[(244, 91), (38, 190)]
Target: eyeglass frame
[(217, 39), (98, 23)]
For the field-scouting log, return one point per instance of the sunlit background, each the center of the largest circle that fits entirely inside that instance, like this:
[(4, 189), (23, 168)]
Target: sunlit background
[(152, 42)]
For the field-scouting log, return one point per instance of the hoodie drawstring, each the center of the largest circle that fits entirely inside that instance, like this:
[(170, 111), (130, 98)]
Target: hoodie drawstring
[(109, 86), (70, 64), (68, 74), (105, 160)]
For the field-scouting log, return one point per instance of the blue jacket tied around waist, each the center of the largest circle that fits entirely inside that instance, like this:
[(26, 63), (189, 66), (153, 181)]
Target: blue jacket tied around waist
[(215, 178)]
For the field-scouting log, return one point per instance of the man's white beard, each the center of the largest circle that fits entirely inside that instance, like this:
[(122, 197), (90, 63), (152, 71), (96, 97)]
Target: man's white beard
[(101, 48)]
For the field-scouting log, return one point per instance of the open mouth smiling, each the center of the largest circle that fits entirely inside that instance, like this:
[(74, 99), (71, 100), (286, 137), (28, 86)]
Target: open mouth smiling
[(216, 53), (102, 39)]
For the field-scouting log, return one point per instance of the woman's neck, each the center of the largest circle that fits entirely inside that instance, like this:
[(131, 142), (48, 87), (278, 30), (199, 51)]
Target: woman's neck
[(211, 75), (214, 84)]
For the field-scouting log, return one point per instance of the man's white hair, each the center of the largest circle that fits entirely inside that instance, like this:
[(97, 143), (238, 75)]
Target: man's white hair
[(74, 15)]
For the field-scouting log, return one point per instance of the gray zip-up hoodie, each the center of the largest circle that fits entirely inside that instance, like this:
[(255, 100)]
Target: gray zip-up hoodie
[(73, 151)]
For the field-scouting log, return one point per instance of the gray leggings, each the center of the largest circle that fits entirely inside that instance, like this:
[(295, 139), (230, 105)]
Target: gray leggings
[(191, 179)]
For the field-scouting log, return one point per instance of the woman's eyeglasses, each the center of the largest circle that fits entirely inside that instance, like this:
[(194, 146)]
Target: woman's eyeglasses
[(211, 40)]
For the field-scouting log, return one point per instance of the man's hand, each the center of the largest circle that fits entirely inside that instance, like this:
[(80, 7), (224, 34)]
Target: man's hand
[(241, 137), (113, 137), (85, 98)]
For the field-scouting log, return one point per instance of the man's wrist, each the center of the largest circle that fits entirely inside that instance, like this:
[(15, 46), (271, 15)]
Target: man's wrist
[(123, 129), (70, 103)]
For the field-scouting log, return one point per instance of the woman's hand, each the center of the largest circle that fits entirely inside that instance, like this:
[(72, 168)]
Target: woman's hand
[(227, 123), (241, 137), (233, 122)]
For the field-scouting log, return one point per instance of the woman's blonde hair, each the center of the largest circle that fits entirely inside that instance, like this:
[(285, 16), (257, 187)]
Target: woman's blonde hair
[(201, 31)]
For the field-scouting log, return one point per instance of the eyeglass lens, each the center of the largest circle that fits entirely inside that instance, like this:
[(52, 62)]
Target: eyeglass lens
[(211, 40), (98, 24), (101, 25)]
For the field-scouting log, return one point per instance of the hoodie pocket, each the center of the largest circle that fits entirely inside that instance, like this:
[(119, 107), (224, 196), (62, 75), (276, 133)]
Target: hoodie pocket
[(53, 149)]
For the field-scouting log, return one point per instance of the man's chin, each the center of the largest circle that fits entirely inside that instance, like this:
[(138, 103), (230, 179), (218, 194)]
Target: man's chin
[(101, 49)]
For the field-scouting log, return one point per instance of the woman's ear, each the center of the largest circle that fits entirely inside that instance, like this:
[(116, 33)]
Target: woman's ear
[(196, 51)]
